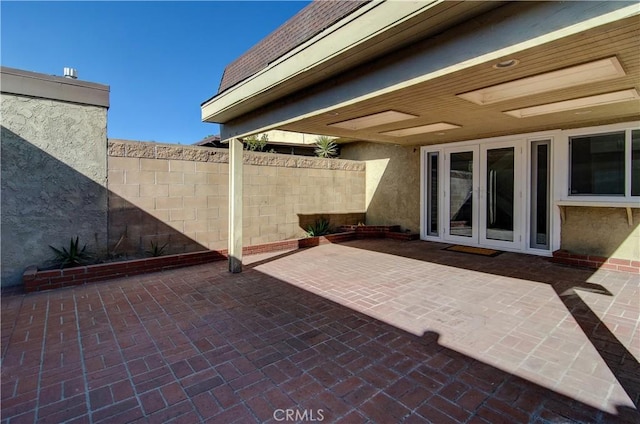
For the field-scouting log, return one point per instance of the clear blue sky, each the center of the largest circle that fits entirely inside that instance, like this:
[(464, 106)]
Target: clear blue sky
[(161, 59)]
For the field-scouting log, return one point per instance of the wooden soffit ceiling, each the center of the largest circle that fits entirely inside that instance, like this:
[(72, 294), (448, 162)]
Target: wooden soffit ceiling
[(436, 100)]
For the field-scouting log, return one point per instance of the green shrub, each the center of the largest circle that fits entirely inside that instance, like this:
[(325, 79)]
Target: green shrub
[(72, 257), (256, 144)]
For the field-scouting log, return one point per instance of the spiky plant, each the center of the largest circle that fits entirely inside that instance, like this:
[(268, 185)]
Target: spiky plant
[(72, 257), (319, 228), (326, 147), (156, 250)]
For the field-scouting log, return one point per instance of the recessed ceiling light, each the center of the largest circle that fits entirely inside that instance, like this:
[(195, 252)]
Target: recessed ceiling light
[(600, 70), (421, 129), (506, 64), (332, 114), (582, 112), (583, 102), (386, 117)]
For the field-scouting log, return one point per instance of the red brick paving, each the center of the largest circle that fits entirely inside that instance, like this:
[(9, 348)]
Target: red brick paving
[(574, 331), (202, 345)]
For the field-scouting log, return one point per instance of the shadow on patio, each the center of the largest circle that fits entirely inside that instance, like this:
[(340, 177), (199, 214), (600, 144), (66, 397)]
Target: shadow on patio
[(574, 334), (200, 344)]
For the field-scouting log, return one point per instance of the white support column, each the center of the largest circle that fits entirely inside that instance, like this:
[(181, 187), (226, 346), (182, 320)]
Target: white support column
[(235, 205)]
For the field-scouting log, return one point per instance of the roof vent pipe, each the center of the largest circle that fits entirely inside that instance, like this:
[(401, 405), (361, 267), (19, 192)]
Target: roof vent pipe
[(70, 73)]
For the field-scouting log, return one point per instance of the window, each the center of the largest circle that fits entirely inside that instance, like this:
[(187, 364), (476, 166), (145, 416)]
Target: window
[(597, 164), (606, 164)]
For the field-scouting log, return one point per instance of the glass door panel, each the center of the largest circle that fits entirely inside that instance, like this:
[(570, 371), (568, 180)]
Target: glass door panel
[(433, 194), (540, 188), (461, 194), (482, 202), (461, 198), (500, 194)]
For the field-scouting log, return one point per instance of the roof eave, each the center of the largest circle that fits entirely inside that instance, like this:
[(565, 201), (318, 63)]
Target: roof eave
[(325, 46)]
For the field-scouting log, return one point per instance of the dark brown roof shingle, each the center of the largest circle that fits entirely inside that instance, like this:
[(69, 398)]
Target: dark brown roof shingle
[(310, 21)]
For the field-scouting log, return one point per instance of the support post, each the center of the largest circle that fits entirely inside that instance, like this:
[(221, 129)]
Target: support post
[(235, 205)]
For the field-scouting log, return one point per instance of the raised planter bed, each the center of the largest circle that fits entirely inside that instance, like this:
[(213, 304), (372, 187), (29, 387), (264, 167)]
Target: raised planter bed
[(379, 231), (35, 280), (299, 243), (329, 238)]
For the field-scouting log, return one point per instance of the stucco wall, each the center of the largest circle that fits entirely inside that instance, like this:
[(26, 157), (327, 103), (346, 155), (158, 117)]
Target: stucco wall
[(179, 194), (53, 179), (601, 232), (392, 183)]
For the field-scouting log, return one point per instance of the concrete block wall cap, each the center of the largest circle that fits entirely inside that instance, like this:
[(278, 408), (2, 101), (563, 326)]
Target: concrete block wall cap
[(169, 152), (153, 150), (196, 155), (116, 149)]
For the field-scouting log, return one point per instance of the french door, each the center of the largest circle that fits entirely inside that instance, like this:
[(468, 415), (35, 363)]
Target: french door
[(461, 181), (483, 195)]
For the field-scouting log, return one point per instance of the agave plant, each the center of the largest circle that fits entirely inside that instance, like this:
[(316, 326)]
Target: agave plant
[(319, 228), (74, 256), (326, 147), (156, 250)]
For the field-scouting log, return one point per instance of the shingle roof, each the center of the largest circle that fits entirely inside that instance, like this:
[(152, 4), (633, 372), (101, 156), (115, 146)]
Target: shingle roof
[(211, 140), (310, 21)]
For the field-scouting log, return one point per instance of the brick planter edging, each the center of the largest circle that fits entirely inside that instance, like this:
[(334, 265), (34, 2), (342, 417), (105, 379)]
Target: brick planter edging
[(379, 231), (299, 243), (329, 238), (35, 280), (613, 264)]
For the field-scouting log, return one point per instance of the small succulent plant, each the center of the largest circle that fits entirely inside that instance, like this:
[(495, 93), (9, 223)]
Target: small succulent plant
[(74, 256), (326, 147)]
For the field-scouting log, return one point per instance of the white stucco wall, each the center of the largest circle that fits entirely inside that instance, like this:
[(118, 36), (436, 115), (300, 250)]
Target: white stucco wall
[(392, 182)]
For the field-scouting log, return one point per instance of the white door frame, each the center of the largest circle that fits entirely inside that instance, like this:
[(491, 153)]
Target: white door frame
[(518, 240), (522, 219)]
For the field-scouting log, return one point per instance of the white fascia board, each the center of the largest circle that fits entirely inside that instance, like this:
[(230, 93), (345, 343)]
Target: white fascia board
[(558, 20), (373, 19)]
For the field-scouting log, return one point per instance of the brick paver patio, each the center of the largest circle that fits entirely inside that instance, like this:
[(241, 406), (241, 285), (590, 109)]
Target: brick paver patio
[(367, 331)]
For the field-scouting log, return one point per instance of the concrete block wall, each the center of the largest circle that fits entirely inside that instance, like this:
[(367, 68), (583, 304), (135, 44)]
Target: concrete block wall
[(179, 195), (165, 201)]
